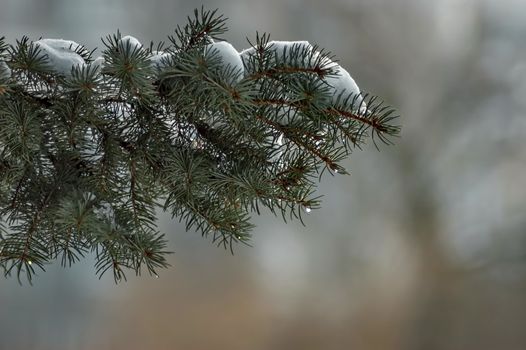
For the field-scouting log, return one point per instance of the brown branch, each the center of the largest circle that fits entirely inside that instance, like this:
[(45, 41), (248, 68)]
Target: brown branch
[(374, 122), (286, 70)]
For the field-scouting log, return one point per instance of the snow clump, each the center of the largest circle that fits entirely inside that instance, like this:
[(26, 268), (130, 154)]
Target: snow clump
[(158, 58), (342, 83), (280, 49), (229, 56), (98, 63), (131, 41), (61, 54)]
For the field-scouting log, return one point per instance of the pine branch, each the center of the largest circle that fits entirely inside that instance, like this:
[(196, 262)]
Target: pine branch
[(90, 148)]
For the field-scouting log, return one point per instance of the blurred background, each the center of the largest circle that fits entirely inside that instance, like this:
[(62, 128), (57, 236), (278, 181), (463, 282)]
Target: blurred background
[(422, 247)]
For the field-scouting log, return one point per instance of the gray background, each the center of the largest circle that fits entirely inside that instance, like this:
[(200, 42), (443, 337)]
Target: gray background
[(422, 247)]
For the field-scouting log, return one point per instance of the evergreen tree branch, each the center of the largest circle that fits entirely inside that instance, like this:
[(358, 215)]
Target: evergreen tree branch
[(89, 152)]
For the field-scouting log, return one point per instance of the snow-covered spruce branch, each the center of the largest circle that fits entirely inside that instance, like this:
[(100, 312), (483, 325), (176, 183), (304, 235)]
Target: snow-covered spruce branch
[(91, 147)]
